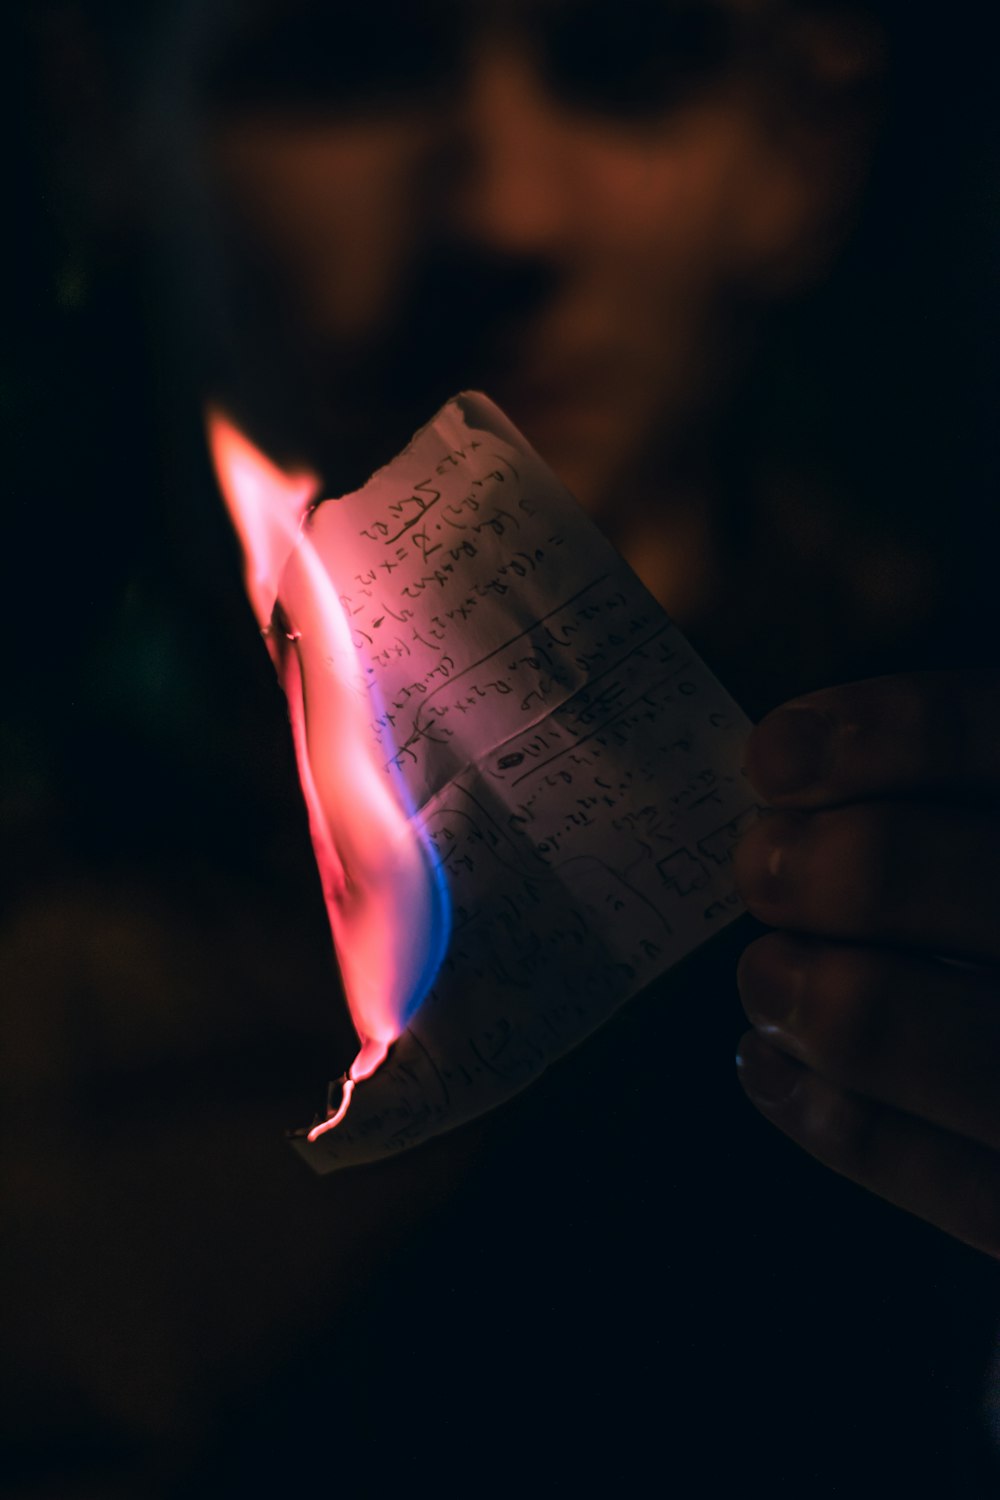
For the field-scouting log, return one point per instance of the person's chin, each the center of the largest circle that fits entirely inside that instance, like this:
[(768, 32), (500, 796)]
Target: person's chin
[(579, 435)]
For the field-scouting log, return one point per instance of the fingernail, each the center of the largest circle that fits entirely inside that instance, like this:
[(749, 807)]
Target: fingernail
[(765, 862), (771, 980), (790, 750), (769, 1076)]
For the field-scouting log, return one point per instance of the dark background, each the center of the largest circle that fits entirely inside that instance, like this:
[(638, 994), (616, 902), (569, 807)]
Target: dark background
[(625, 1279)]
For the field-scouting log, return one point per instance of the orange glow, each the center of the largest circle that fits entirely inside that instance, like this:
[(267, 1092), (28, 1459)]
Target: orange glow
[(384, 893)]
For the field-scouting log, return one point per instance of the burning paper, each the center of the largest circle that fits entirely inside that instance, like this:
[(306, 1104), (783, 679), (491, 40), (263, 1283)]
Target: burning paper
[(523, 785)]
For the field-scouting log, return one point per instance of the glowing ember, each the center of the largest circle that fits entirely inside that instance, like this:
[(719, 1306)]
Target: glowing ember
[(384, 894)]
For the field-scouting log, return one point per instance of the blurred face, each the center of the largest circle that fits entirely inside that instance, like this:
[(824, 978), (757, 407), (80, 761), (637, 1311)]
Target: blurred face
[(560, 203)]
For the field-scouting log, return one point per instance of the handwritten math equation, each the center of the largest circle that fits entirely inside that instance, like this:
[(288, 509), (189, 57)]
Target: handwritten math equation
[(575, 764)]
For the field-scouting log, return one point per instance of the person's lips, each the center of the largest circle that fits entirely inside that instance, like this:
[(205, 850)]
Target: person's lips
[(560, 398)]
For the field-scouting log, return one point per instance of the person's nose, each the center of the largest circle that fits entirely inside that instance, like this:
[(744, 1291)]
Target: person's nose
[(521, 188)]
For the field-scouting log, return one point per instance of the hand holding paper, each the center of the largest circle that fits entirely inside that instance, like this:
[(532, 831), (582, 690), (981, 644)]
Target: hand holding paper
[(523, 784), (877, 1010)]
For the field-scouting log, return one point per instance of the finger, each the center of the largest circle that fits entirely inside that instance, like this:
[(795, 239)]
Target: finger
[(926, 731), (916, 1034), (949, 1181), (877, 872)]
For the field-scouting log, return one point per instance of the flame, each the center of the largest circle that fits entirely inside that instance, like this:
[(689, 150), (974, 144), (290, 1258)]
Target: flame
[(266, 506), (384, 892)]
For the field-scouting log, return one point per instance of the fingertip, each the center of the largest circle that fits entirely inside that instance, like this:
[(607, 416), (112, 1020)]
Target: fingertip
[(764, 865), (771, 977), (790, 753), (769, 1076)]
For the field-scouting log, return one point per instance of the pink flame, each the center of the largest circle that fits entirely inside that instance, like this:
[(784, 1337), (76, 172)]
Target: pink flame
[(383, 892)]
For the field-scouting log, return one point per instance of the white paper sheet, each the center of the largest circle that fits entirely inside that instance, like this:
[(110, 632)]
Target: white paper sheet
[(576, 765)]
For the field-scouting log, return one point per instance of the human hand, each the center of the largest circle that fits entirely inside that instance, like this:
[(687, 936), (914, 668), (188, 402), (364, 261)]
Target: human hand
[(877, 863)]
